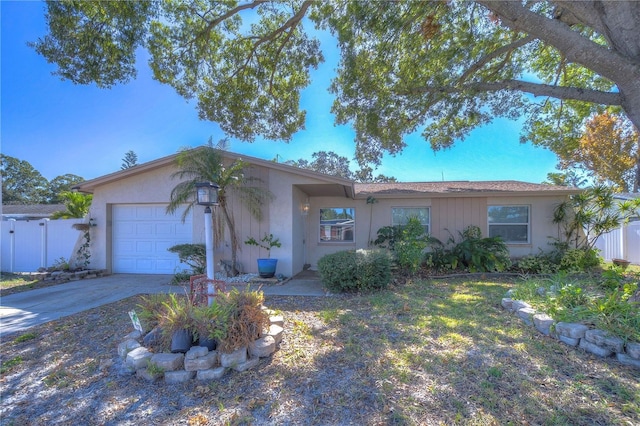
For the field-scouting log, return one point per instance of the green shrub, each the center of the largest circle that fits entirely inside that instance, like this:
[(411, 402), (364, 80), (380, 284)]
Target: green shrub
[(537, 264), (406, 242), (194, 255), (361, 270), (579, 260), (473, 252)]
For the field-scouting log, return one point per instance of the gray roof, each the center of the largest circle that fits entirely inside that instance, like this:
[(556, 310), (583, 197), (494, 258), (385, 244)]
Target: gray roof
[(30, 211), (451, 188)]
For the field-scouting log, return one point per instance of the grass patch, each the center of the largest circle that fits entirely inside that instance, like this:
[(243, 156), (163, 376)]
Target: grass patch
[(25, 337), (5, 367), (16, 282)]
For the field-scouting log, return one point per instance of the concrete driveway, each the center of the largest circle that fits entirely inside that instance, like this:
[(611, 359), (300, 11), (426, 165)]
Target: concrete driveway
[(20, 311)]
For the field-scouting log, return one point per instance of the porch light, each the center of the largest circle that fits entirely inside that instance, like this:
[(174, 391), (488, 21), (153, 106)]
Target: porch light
[(305, 208), (207, 193)]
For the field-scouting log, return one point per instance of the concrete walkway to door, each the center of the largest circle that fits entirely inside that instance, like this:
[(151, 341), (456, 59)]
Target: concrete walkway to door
[(20, 311)]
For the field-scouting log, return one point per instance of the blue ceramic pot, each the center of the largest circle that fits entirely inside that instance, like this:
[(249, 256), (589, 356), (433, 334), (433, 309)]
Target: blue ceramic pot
[(267, 267)]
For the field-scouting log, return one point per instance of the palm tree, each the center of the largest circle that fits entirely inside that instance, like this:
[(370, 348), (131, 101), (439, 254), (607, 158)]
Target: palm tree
[(206, 164), (77, 205)]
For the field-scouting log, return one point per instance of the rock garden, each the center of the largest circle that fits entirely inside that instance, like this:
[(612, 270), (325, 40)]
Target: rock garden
[(183, 338)]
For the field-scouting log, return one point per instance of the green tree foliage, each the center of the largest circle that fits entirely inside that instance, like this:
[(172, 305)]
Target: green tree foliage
[(60, 184), (21, 183), (130, 159), (442, 68), (207, 164), (330, 163), (77, 205), (586, 216)]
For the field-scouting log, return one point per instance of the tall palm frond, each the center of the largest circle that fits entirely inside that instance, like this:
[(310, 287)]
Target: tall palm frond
[(206, 164)]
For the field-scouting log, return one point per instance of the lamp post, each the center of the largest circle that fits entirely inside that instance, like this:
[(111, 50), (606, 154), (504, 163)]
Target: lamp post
[(207, 195)]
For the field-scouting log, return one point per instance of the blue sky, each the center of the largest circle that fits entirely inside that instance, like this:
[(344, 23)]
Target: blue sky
[(60, 128)]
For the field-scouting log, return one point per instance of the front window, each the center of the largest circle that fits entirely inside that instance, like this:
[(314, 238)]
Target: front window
[(401, 216), (509, 222), (337, 224)]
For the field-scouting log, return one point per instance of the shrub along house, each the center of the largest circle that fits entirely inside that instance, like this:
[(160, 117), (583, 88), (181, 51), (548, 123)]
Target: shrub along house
[(312, 214)]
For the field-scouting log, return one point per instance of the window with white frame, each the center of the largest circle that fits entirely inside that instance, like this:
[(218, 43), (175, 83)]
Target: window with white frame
[(401, 216), (337, 224), (509, 222)]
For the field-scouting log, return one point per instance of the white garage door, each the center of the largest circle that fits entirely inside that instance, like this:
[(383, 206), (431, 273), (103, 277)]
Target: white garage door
[(142, 233)]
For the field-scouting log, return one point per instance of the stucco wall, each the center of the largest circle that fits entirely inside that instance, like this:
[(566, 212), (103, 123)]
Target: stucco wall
[(151, 187)]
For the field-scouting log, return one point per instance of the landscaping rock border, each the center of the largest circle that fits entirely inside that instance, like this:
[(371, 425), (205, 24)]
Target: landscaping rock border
[(199, 362), (64, 276), (592, 340)]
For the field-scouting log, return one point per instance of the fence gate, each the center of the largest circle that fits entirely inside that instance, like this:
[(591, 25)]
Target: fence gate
[(29, 245)]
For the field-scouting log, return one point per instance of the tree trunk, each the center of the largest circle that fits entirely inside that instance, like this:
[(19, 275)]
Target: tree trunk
[(232, 235), (619, 61)]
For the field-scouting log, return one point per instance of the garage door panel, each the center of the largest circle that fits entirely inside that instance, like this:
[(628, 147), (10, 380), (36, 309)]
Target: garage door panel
[(165, 229), (145, 229), (141, 236)]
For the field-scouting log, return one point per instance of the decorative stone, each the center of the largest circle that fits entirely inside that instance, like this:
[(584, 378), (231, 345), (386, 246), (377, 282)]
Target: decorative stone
[(138, 358), (196, 352), (507, 303), (234, 358), (627, 360), (526, 315), (153, 337), (605, 340), (135, 335), (519, 304), (211, 374), (276, 332), (251, 363), (594, 349), (179, 376), (509, 293), (572, 330), (543, 323), (541, 291), (143, 373), (127, 346), (203, 363), (167, 361), (277, 320), (633, 350), (568, 340), (262, 347)]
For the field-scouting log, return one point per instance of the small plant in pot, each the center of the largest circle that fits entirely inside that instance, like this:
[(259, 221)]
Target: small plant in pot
[(266, 266), (177, 323), (210, 324)]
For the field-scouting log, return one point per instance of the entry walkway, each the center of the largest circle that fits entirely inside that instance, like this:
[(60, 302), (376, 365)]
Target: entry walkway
[(21, 311)]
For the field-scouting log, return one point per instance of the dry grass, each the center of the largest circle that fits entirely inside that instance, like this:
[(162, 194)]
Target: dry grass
[(427, 352)]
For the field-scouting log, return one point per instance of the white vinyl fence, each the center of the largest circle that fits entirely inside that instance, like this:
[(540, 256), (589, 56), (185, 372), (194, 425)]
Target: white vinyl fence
[(29, 245), (622, 243)]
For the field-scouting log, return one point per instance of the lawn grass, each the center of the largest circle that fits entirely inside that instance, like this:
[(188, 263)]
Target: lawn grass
[(15, 283), (425, 352)]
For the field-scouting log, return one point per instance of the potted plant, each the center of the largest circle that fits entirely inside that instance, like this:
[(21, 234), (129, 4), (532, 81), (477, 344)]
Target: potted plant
[(266, 267), (177, 323), (209, 324)]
